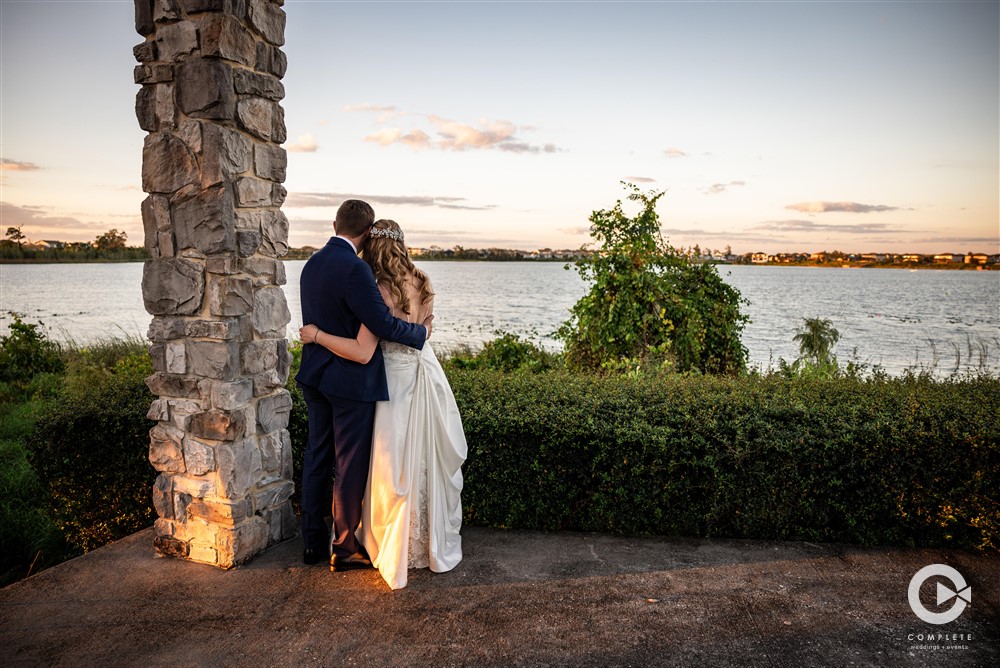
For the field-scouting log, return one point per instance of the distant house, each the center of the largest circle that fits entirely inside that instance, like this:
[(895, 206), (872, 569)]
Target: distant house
[(994, 259), (874, 257), (944, 258), (818, 257), (759, 258), (49, 243), (912, 257), (977, 258)]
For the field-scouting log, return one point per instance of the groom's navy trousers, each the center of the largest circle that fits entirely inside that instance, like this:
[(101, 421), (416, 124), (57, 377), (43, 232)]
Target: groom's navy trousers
[(339, 294)]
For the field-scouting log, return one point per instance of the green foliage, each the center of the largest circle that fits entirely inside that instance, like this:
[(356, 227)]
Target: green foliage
[(25, 353), (816, 339), (904, 461), (29, 540), (112, 240), (90, 449), (648, 306), (298, 421), (15, 235), (508, 352)]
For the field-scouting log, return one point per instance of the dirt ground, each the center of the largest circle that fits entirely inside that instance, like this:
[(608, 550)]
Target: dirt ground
[(517, 599)]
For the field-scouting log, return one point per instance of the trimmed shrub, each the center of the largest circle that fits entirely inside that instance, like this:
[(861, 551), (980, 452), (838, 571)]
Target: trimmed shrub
[(877, 461), (905, 461)]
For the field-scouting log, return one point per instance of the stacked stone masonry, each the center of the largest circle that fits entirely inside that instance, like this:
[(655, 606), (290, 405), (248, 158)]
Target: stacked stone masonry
[(213, 166)]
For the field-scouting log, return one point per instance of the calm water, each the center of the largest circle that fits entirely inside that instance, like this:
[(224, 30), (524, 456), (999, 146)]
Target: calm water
[(892, 317)]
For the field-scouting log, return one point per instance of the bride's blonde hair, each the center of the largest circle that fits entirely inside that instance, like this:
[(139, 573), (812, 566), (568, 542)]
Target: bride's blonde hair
[(391, 264)]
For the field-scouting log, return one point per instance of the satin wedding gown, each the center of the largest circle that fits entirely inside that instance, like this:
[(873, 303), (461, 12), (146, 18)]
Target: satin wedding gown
[(412, 509)]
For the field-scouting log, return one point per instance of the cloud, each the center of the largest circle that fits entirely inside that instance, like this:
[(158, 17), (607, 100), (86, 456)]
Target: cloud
[(639, 179), (17, 166), (959, 240), (416, 139), (445, 134), (384, 112), (716, 188), (368, 107), (808, 226), (306, 200), (849, 207), (305, 144), (674, 153), (574, 231), (36, 226), (716, 234), (315, 232)]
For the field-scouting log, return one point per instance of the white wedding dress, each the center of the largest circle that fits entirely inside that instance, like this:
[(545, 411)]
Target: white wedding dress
[(412, 510)]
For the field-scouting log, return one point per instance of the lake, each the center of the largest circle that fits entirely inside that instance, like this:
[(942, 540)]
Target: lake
[(895, 318)]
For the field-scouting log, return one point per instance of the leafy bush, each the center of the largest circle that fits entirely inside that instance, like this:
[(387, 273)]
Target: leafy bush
[(29, 540), (27, 357), (508, 352), (905, 461), (648, 306), (90, 450)]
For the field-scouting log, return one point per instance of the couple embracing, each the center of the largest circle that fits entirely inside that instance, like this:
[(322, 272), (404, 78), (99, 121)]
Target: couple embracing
[(382, 417)]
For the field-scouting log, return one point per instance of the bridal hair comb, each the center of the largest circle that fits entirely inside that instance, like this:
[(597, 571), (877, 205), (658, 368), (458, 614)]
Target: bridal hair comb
[(388, 234)]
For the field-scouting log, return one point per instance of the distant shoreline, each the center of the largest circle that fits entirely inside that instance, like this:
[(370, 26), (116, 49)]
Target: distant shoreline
[(921, 267)]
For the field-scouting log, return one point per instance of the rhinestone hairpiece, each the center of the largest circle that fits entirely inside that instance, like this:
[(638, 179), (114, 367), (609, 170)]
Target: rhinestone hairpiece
[(388, 234)]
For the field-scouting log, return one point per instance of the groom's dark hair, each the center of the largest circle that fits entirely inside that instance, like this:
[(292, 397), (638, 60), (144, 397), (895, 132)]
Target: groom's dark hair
[(354, 217)]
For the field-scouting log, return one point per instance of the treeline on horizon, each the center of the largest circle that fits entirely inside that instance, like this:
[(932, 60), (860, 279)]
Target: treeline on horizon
[(111, 247)]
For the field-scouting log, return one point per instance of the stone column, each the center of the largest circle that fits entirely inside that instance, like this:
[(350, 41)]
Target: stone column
[(213, 166)]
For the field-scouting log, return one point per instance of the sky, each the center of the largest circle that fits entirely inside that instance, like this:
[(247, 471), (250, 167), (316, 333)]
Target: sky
[(771, 126)]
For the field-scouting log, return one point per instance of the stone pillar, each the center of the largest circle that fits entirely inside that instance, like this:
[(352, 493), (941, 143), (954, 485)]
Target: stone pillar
[(213, 166)]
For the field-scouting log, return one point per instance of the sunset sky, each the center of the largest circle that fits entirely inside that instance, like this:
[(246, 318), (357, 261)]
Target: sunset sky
[(773, 126)]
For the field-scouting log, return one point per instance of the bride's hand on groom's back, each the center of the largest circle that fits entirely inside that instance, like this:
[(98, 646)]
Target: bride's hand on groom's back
[(427, 323)]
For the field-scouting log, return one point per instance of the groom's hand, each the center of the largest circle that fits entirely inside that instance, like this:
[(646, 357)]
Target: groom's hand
[(427, 323)]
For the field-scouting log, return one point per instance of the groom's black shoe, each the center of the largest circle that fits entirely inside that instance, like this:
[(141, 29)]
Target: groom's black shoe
[(311, 557), (356, 560)]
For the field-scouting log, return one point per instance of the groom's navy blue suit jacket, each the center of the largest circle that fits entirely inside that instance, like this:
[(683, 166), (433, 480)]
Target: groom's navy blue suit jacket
[(338, 294)]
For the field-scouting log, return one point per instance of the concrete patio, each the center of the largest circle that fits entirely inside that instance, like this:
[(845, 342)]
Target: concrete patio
[(518, 598)]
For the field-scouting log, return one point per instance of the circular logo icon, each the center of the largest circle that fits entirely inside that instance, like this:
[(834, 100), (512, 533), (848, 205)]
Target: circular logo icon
[(960, 591)]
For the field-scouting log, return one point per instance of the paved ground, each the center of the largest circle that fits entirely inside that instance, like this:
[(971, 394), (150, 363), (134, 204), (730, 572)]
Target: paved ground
[(518, 598)]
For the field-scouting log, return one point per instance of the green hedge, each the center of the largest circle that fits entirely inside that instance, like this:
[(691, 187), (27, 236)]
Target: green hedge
[(885, 461)]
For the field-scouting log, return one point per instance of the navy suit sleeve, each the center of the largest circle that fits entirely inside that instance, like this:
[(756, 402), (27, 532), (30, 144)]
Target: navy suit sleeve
[(366, 302)]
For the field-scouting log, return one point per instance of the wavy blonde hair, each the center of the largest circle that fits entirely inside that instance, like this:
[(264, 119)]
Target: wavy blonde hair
[(391, 264)]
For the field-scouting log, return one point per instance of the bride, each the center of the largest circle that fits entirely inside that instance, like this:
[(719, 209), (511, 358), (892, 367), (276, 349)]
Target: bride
[(412, 509)]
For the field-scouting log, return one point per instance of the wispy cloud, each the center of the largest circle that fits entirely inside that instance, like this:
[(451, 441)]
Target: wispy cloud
[(995, 241), (716, 234), (37, 226), (365, 106), (849, 207), (717, 188), (415, 139), (385, 112), (445, 134), (574, 231), (17, 166), (306, 200), (674, 152), (314, 232), (639, 179), (808, 226), (305, 144)]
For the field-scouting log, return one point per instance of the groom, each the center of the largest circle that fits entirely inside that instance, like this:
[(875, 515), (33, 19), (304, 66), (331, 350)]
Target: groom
[(339, 294)]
